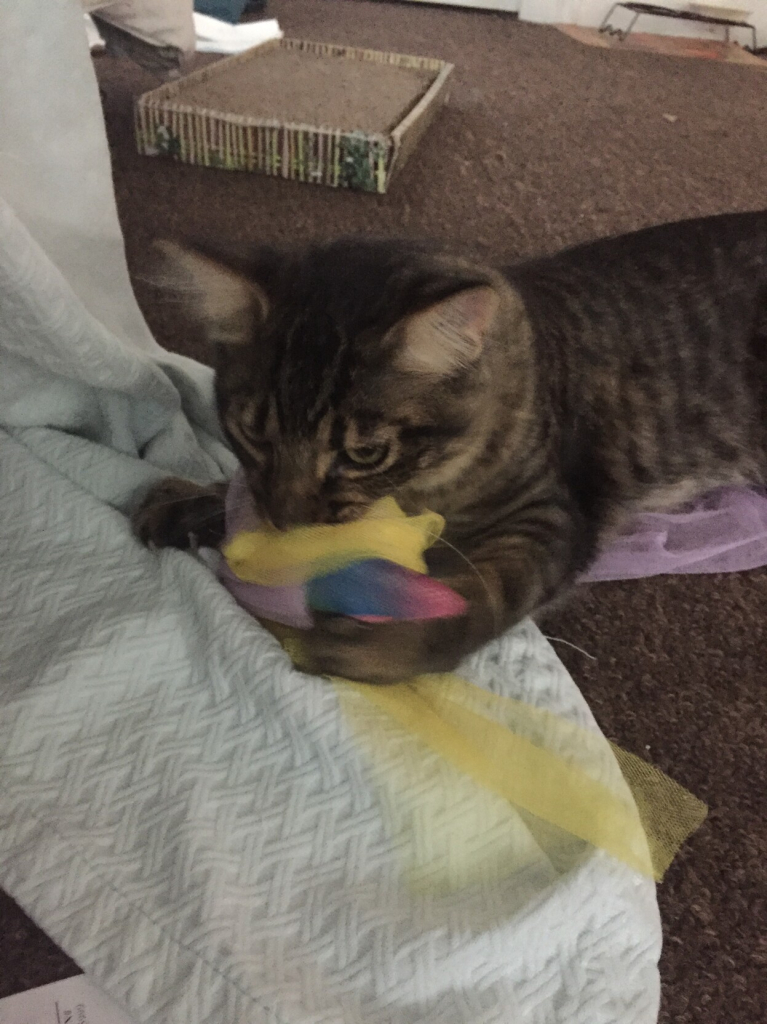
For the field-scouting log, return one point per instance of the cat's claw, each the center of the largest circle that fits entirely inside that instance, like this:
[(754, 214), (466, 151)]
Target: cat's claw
[(180, 514)]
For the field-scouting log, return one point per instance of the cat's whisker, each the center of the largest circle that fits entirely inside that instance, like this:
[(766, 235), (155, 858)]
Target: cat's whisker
[(167, 301), (167, 284), (240, 506), (567, 643), (490, 598), (174, 501)]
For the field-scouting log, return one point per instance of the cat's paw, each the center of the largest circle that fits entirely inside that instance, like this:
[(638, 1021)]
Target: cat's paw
[(387, 652), (177, 513)]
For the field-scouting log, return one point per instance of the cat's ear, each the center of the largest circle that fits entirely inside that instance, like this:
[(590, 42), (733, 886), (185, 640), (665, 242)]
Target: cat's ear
[(228, 303), (450, 334)]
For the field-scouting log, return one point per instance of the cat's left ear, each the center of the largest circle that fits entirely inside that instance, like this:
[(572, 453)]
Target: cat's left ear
[(450, 334), (227, 302)]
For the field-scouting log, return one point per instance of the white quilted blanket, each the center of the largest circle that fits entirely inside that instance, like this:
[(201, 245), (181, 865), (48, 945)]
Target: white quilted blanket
[(185, 814)]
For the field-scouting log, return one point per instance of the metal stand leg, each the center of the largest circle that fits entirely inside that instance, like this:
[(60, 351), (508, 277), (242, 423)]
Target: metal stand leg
[(621, 33), (637, 8), (606, 20)]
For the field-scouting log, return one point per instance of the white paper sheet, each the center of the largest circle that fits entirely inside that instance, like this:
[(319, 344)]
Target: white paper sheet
[(72, 1001), (214, 36)]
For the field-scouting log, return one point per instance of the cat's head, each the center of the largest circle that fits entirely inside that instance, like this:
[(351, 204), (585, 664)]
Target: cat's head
[(346, 371)]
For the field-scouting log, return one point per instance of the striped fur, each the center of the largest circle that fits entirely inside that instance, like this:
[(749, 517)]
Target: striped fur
[(622, 375)]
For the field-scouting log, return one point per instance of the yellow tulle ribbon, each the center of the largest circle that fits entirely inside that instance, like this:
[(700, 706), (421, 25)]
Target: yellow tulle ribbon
[(473, 784), (499, 783), (279, 559)]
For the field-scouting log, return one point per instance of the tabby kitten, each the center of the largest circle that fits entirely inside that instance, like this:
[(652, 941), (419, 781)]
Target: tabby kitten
[(535, 407)]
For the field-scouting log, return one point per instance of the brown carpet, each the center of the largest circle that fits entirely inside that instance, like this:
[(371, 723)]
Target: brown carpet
[(547, 142)]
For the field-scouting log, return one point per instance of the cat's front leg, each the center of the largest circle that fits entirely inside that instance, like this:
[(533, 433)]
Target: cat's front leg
[(175, 513), (501, 585), (387, 652)]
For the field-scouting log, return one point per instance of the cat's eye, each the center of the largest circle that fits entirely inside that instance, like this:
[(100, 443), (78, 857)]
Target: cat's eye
[(367, 455)]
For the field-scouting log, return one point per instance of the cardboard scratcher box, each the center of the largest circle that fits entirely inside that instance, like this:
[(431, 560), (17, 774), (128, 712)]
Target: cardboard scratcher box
[(332, 115)]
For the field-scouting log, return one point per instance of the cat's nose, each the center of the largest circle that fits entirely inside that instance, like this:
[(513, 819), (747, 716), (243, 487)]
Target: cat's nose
[(285, 512)]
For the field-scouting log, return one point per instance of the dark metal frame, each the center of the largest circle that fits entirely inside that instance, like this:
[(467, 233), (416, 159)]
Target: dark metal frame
[(638, 9)]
